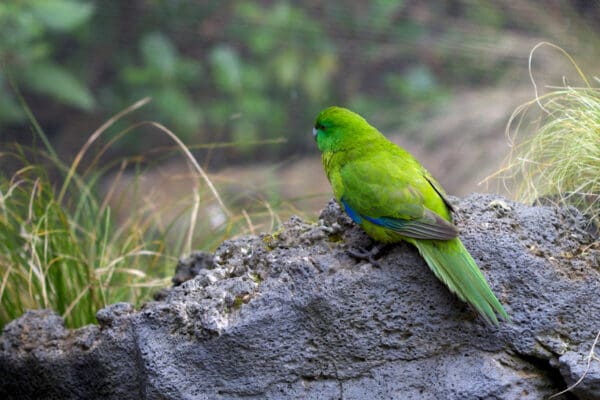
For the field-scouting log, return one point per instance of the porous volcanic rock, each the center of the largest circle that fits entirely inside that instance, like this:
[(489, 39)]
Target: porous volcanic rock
[(290, 315)]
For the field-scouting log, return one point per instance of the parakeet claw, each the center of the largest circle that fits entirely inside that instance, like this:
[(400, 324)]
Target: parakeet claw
[(368, 255)]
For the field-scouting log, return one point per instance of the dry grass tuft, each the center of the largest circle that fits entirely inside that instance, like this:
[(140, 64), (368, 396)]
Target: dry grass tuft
[(559, 161)]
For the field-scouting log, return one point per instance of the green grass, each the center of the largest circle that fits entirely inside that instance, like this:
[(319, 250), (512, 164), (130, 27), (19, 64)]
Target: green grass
[(559, 160), (67, 253), (62, 246)]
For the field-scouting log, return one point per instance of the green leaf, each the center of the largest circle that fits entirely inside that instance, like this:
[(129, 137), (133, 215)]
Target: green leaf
[(382, 13), (10, 111), (188, 71), (159, 53), (62, 15), (57, 82), (287, 67), (317, 75), (227, 68), (138, 76), (179, 109)]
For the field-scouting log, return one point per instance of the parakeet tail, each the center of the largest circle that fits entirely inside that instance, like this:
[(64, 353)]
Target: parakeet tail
[(452, 264)]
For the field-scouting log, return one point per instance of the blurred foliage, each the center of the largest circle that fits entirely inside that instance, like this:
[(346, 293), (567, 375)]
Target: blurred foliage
[(30, 32), (246, 70)]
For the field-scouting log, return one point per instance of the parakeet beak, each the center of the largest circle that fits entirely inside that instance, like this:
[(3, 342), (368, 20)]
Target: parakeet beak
[(315, 133)]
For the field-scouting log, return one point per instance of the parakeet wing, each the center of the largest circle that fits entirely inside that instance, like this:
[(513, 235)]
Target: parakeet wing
[(380, 192)]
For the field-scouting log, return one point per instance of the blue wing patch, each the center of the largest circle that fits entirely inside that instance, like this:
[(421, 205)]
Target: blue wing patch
[(429, 226), (425, 228), (393, 224), (353, 214)]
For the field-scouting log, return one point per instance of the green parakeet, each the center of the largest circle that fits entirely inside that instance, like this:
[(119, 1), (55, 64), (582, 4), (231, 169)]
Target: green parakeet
[(386, 191)]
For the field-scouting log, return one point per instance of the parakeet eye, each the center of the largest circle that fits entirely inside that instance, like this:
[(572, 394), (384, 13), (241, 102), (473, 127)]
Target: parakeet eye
[(318, 127)]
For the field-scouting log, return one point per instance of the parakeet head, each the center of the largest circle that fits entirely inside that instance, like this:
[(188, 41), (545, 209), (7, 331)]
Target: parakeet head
[(337, 128)]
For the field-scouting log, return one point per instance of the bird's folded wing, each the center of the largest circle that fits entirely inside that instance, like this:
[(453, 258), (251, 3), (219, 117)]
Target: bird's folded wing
[(386, 197)]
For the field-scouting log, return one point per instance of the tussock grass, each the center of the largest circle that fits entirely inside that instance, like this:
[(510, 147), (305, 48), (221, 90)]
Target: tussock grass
[(559, 160), (67, 253), (68, 256), (61, 246)]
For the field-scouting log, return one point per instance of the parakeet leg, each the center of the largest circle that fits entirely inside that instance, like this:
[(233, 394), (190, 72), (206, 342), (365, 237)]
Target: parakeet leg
[(369, 255)]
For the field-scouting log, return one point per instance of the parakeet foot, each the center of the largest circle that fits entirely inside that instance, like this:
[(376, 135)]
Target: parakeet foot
[(368, 255)]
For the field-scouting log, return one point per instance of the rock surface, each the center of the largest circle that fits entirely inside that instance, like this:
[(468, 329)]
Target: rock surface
[(291, 315)]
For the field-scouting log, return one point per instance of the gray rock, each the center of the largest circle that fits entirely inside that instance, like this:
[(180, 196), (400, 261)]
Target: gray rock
[(291, 315), (573, 367)]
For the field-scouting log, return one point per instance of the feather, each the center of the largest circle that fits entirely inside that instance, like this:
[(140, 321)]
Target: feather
[(452, 264), (430, 227)]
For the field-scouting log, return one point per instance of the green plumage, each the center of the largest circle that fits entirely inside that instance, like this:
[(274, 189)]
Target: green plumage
[(392, 197)]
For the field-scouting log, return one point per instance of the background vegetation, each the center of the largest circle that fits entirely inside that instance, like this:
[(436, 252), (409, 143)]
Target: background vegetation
[(557, 159), (240, 71), (85, 219)]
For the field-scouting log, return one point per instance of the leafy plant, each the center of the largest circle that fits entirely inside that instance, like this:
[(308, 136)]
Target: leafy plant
[(247, 71), (166, 76), (25, 50)]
